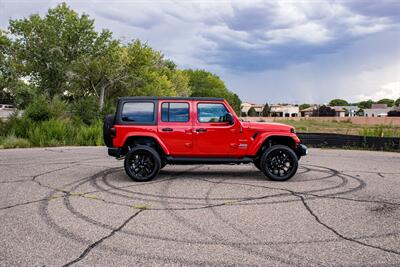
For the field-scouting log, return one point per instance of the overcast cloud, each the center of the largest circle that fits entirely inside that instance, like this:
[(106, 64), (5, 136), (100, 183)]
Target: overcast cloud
[(275, 51)]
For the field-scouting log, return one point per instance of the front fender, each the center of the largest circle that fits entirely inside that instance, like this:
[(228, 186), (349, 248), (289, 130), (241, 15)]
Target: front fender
[(262, 137)]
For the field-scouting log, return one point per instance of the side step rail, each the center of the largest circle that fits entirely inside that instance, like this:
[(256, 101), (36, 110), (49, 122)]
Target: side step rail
[(184, 160)]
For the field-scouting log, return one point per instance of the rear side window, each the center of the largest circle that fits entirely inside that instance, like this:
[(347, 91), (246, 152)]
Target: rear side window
[(211, 112), (175, 112), (138, 112)]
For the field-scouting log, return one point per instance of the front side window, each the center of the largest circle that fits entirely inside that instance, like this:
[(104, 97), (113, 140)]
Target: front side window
[(138, 112), (211, 112), (174, 112)]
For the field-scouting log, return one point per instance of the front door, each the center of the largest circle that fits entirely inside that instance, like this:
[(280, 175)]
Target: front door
[(175, 126), (213, 136)]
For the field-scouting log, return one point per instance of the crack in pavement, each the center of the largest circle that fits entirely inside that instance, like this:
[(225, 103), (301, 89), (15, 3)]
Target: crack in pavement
[(101, 240), (317, 219)]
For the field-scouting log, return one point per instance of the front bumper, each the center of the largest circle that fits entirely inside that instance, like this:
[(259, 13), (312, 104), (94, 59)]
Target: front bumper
[(301, 150)]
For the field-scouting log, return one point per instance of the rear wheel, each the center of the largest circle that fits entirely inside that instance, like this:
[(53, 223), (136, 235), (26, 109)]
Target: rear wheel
[(142, 163), (279, 163)]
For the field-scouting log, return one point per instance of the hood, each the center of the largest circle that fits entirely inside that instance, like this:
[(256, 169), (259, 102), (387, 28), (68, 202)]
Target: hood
[(267, 127)]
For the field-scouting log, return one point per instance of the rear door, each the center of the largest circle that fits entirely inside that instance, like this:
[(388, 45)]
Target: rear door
[(175, 126), (214, 137)]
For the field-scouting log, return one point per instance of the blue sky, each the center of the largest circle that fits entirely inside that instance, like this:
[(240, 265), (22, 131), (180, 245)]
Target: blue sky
[(275, 51)]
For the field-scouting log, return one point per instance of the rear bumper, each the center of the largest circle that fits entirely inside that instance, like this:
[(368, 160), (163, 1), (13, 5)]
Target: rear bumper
[(301, 150), (114, 152)]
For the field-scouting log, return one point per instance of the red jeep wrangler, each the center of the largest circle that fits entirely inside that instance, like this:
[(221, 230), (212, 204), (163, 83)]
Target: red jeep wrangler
[(151, 132)]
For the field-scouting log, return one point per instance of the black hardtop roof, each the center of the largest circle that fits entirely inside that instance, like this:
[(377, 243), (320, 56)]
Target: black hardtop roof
[(170, 98)]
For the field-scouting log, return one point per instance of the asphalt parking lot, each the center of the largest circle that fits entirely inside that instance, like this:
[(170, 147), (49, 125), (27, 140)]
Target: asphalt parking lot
[(76, 207)]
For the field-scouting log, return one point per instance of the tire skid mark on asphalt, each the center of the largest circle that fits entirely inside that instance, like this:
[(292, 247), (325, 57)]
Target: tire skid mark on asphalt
[(303, 200), (300, 195), (58, 190), (99, 175), (308, 193), (219, 217), (183, 221), (186, 198), (66, 233)]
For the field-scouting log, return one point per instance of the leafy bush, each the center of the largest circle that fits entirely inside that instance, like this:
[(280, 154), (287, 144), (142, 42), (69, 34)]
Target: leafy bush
[(38, 110), (16, 125), (14, 142), (51, 133), (58, 108), (86, 110), (90, 135)]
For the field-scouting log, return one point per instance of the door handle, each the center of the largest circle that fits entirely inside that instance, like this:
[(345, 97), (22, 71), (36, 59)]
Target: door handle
[(201, 130), (167, 129)]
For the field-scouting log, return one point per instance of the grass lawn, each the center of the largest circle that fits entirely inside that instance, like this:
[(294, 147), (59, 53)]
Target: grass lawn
[(342, 127)]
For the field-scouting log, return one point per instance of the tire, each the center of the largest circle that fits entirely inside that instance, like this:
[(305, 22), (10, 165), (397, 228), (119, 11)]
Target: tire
[(148, 163), (279, 163), (107, 125)]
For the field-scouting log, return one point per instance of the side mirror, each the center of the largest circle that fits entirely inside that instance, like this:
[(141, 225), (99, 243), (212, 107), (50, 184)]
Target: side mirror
[(229, 118)]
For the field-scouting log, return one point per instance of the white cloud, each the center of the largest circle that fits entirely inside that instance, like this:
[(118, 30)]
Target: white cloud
[(389, 90), (262, 48)]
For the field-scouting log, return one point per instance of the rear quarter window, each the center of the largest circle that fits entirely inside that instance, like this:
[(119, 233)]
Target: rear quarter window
[(138, 112)]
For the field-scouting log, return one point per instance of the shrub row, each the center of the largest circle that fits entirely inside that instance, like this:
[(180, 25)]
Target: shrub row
[(54, 132)]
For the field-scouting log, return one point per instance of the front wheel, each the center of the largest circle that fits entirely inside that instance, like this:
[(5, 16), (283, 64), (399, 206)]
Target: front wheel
[(142, 163), (279, 163)]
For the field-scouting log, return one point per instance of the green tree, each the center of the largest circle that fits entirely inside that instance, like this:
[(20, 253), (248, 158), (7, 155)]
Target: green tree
[(304, 106), (252, 112), (397, 102), (206, 84), (13, 90), (266, 110), (365, 104), (180, 82), (7, 74), (46, 46), (338, 102), (387, 101)]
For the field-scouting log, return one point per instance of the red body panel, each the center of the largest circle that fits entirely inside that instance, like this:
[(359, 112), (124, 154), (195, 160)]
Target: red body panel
[(219, 140)]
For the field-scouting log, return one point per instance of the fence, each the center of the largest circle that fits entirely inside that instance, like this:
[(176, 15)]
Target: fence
[(395, 121), (342, 140)]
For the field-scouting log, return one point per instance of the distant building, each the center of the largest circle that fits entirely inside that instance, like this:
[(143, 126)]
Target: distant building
[(245, 107), (350, 111), (308, 112), (284, 110), (340, 111), (377, 110)]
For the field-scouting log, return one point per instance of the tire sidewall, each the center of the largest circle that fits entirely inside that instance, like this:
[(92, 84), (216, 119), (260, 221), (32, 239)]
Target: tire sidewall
[(271, 175), (156, 158)]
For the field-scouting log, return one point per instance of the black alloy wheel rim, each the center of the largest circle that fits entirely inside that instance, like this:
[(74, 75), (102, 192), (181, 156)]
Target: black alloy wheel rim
[(280, 163), (141, 164)]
